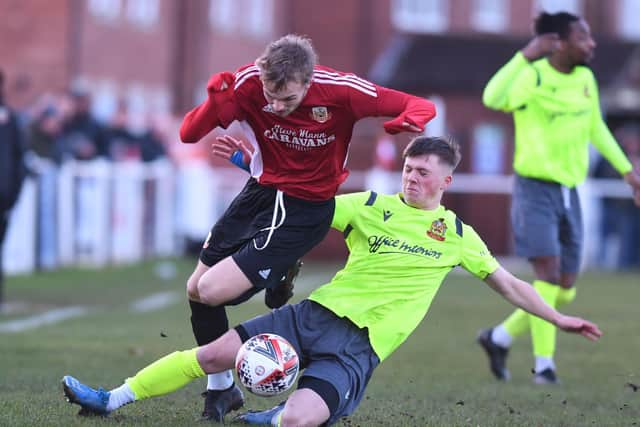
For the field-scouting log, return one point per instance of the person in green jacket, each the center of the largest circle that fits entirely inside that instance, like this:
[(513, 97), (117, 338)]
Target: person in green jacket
[(554, 99)]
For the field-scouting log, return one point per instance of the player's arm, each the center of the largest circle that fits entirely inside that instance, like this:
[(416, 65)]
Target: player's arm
[(410, 113), (219, 109), (606, 144), (523, 295), (513, 84)]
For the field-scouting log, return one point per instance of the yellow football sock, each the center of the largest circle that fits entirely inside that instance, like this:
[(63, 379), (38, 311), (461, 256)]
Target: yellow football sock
[(565, 296), (543, 333), (165, 375), (517, 323)]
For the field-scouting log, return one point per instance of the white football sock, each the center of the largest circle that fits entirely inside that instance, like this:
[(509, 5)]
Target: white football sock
[(543, 363), (220, 381), (500, 336), (120, 396)]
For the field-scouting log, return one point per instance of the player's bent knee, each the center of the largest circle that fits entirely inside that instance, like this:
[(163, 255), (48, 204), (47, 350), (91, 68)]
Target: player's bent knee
[(209, 294), (192, 290)]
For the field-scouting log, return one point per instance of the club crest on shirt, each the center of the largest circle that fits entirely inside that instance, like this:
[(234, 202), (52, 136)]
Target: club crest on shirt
[(320, 114), (438, 229), (586, 92), (267, 108)]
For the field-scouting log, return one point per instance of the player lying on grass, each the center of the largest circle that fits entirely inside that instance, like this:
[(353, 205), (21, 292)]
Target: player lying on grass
[(401, 248)]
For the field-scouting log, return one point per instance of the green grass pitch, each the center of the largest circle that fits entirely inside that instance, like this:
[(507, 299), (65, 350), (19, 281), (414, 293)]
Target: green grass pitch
[(439, 377)]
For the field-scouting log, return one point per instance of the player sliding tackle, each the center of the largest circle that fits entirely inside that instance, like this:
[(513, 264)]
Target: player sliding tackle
[(347, 327), (299, 117)]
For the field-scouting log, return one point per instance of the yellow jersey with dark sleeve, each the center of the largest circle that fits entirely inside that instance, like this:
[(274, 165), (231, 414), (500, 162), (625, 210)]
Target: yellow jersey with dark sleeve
[(399, 256), (555, 116)]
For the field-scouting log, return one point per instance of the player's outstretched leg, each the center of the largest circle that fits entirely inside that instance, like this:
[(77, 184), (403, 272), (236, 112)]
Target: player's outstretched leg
[(278, 296), (218, 403), (497, 354), (91, 401), (266, 417)]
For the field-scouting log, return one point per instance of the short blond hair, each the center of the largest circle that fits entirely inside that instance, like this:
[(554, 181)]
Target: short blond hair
[(290, 58)]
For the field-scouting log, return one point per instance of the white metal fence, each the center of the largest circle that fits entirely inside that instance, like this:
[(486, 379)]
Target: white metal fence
[(99, 213)]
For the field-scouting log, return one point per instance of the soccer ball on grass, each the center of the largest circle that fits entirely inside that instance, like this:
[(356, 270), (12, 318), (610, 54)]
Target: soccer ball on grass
[(267, 365)]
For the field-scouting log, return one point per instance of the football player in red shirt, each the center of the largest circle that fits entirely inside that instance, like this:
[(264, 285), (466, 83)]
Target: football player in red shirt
[(299, 117)]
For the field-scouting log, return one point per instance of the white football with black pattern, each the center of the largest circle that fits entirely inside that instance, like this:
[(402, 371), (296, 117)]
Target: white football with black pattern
[(267, 365)]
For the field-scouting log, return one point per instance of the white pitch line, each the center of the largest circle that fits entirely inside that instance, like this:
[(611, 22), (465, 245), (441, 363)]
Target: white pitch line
[(47, 318), (154, 302)]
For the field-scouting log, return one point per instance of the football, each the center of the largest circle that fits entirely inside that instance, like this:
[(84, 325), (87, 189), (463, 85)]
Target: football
[(267, 364)]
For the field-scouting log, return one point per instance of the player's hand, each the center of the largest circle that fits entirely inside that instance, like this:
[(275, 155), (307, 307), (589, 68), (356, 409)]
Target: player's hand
[(580, 326), (398, 125), (408, 127), (541, 46), (633, 179), (226, 146), (220, 82)]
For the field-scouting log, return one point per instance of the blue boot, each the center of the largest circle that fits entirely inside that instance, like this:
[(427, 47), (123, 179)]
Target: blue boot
[(93, 402), (264, 418)]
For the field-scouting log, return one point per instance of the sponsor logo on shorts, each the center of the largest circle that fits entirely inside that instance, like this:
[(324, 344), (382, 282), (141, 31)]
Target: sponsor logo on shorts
[(264, 273)]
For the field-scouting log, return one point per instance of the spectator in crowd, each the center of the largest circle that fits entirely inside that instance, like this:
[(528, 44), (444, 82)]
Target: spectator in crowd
[(12, 167), (83, 137), (620, 216), (45, 133), (120, 143), (152, 146)]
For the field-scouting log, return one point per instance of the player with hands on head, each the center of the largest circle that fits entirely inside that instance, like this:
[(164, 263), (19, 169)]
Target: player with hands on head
[(554, 99), (298, 117), (346, 328)]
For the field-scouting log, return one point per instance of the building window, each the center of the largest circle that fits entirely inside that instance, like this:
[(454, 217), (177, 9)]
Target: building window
[(555, 6), (488, 149), (222, 15), (438, 125), (143, 13), (490, 15), (260, 18), (628, 12), (105, 100), (420, 16), (108, 10)]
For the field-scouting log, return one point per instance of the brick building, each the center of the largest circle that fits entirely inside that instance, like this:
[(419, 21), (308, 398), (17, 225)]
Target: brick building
[(158, 55)]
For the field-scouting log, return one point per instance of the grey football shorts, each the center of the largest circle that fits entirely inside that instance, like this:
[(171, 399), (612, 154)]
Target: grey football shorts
[(547, 221), (330, 348)]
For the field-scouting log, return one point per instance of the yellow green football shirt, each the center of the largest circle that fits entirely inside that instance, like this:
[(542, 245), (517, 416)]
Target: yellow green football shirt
[(399, 257), (555, 116)]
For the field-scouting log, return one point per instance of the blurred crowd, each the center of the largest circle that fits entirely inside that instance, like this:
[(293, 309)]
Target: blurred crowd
[(61, 127), (620, 226)]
